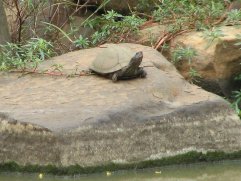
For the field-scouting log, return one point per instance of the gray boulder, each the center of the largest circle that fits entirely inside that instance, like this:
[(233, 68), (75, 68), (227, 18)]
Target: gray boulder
[(90, 121)]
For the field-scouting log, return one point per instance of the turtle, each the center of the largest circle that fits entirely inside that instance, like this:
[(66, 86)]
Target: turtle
[(118, 63)]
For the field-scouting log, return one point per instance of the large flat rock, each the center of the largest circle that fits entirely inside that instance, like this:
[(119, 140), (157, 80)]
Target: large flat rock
[(88, 120)]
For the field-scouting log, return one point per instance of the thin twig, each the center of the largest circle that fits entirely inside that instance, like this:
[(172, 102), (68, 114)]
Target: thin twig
[(52, 73)]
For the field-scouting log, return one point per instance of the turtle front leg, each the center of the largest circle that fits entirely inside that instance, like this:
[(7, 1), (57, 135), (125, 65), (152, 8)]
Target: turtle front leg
[(117, 75), (142, 72)]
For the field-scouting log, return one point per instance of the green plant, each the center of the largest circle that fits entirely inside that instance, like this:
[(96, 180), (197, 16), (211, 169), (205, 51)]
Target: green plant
[(165, 47), (57, 67), (193, 75), (82, 42), (113, 27), (184, 15), (10, 56), (188, 54), (233, 17), (146, 5), (190, 11), (237, 94), (28, 56), (237, 101), (238, 77), (177, 26), (239, 39), (183, 53), (212, 35)]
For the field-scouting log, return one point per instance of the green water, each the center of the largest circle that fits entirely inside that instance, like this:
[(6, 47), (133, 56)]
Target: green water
[(225, 171)]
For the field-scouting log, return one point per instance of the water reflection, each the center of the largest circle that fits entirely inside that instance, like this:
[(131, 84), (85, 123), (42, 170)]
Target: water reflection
[(225, 171)]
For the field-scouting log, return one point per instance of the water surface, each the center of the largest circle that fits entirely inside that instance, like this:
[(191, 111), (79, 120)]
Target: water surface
[(225, 171)]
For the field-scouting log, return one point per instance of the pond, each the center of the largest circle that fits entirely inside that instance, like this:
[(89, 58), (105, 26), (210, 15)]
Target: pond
[(222, 171)]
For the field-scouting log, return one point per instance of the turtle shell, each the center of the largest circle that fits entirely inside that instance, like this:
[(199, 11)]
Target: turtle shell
[(111, 59)]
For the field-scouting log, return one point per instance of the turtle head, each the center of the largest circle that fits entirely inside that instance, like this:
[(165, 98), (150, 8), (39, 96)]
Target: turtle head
[(136, 60)]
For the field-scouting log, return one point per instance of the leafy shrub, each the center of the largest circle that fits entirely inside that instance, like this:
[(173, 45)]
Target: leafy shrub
[(233, 17), (28, 56), (212, 35), (82, 42), (183, 53), (186, 54), (113, 27), (191, 13)]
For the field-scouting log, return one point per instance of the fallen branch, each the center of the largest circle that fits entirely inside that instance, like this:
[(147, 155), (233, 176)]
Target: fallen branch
[(168, 36), (52, 73), (162, 40)]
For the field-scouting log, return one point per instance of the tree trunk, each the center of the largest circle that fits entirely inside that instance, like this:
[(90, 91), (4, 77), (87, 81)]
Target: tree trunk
[(4, 32)]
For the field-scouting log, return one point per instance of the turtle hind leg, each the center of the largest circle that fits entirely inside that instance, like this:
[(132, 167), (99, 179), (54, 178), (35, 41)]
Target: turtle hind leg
[(142, 73)]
